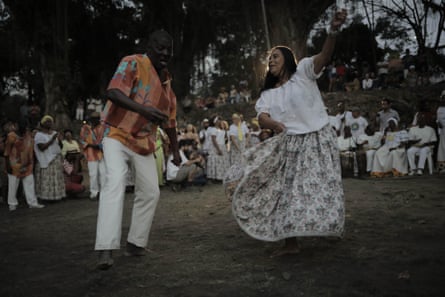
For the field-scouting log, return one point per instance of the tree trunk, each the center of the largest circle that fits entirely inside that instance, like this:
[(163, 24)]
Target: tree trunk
[(290, 22), (55, 101)]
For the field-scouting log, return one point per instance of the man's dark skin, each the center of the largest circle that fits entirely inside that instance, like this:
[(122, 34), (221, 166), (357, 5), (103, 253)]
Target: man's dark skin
[(159, 51)]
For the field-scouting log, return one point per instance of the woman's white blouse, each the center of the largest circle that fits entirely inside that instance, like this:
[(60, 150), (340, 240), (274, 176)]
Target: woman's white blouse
[(297, 103)]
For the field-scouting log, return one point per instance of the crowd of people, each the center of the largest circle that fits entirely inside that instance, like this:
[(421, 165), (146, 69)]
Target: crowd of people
[(393, 71), (385, 146), (49, 163)]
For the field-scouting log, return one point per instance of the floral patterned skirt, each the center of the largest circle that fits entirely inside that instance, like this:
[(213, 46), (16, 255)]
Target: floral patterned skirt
[(50, 181), (289, 186), (217, 165)]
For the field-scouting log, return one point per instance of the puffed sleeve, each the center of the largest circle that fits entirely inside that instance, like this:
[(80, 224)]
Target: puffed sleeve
[(306, 68), (263, 104)]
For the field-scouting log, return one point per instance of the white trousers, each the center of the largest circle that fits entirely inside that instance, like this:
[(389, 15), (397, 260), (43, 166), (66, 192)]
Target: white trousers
[(369, 159), (28, 187), (423, 154), (97, 172), (111, 202), (79, 114)]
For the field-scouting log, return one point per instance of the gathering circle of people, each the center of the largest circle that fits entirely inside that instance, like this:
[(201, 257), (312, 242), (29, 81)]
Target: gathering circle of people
[(293, 151)]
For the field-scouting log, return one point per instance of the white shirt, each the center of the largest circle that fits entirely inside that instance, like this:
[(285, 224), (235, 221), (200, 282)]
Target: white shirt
[(45, 157), (172, 169), (374, 141), (233, 130), (383, 118), (358, 125), (205, 144), (345, 144), (367, 83), (219, 134), (425, 134), (341, 118), (297, 103)]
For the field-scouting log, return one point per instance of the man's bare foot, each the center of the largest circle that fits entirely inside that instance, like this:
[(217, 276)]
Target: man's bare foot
[(291, 247)]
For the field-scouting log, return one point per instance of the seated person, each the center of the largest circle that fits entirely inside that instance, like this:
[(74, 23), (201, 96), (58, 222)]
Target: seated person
[(73, 181), (368, 145), (347, 147), (367, 82), (190, 171), (422, 140), (71, 150), (353, 85), (356, 122), (390, 158)]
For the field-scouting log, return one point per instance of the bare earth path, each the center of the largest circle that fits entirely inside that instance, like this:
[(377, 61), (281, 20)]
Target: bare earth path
[(394, 245)]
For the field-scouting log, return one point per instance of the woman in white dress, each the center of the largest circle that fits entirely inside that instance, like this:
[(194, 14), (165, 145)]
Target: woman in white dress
[(390, 158), (291, 184), (217, 159)]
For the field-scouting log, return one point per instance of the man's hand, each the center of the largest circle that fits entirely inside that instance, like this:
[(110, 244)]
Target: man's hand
[(176, 158), (153, 114)]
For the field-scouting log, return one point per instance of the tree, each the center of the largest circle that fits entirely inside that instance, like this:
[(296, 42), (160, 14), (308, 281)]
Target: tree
[(425, 18)]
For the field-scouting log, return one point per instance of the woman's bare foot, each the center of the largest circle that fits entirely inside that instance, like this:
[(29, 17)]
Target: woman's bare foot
[(291, 247)]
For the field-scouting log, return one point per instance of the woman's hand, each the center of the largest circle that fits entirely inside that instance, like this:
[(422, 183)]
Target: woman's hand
[(278, 127), (338, 19)]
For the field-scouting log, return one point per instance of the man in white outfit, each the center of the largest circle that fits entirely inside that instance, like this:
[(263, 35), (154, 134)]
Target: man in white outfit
[(424, 138)]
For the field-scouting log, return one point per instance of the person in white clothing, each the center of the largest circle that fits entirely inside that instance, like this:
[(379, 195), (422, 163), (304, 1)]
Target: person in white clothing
[(423, 138), (290, 185), (203, 137), (390, 158), (367, 82), (348, 147), (441, 130), (19, 156), (357, 123), (369, 143), (341, 117), (187, 171), (218, 158)]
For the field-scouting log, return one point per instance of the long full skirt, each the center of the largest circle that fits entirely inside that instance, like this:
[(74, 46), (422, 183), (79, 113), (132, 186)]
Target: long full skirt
[(217, 165), (50, 181), (289, 186)]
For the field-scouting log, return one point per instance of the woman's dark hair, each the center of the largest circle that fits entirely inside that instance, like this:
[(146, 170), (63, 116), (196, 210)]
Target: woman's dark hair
[(290, 67), (68, 130)]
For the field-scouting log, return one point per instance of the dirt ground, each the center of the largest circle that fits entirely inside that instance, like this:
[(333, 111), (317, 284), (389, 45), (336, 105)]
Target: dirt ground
[(394, 245)]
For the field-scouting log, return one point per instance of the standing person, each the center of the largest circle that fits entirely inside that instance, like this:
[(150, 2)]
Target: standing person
[(140, 99), (203, 137), (217, 160), (80, 109), (292, 183), (50, 182), (385, 114), (239, 139), (160, 153), (441, 129), (19, 153), (91, 140)]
